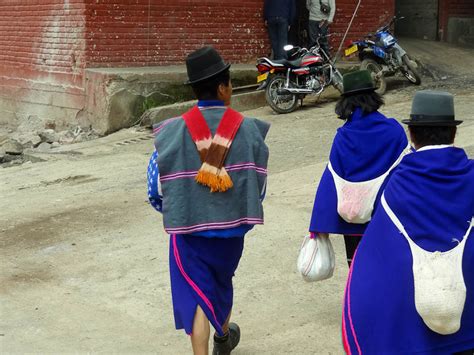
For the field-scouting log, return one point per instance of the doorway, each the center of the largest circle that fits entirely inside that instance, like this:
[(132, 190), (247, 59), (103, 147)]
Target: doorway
[(298, 35), (420, 19)]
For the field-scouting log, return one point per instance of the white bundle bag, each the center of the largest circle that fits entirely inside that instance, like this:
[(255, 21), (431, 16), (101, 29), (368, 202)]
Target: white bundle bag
[(440, 290), (316, 260), (355, 200)]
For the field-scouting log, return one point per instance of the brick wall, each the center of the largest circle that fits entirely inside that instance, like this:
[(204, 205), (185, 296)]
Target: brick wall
[(371, 15), (143, 32), (140, 32), (45, 45), (42, 58)]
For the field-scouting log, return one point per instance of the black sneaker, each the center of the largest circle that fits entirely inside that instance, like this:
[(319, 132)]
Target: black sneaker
[(225, 344)]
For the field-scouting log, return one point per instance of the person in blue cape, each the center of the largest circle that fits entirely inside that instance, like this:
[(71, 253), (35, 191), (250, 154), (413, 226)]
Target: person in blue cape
[(411, 285), (364, 151), (207, 177)]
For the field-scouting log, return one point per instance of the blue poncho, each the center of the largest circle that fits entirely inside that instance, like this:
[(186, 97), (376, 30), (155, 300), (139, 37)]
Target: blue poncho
[(432, 194), (364, 148)]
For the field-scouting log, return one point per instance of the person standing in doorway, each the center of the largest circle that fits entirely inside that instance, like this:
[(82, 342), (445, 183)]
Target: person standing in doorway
[(278, 16), (321, 15)]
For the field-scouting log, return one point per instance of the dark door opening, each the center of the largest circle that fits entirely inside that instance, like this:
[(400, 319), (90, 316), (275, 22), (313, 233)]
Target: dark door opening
[(298, 35), (421, 19)]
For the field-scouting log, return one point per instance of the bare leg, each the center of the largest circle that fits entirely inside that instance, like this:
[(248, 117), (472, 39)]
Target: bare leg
[(201, 333)]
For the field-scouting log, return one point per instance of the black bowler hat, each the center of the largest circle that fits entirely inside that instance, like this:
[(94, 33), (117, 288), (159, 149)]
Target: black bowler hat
[(357, 82), (203, 64), (432, 108)]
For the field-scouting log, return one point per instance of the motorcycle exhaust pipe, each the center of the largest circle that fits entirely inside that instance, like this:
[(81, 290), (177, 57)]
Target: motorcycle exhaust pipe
[(286, 91)]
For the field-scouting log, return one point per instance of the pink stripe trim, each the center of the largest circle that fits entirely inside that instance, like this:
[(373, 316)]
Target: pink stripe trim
[(349, 315), (191, 282), (345, 341), (158, 129), (215, 225), (188, 174)]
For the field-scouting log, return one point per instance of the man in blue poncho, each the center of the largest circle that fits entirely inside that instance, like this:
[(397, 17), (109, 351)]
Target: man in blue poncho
[(364, 151), (411, 286), (207, 177)]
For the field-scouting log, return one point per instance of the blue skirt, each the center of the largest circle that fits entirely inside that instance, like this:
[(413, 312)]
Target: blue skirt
[(201, 271)]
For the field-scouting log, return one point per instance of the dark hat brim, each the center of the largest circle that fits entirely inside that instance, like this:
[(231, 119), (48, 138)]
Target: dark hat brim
[(358, 91), (190, 82), (432, 123)]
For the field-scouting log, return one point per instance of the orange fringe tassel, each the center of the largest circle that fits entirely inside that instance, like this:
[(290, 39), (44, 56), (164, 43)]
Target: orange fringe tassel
[(214, 182)]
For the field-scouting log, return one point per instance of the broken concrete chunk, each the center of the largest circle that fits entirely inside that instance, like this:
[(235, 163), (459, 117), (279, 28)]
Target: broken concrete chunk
[(13, 147), (44, 147), (30, 140), (49, 136)]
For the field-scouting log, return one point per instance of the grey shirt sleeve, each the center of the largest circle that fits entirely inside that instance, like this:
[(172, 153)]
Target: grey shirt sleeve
[(332, 4)]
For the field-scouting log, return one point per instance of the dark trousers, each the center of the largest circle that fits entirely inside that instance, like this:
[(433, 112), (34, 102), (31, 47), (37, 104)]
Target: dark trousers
[(351, 242), (467, 352), (315, 31), (278, 33)]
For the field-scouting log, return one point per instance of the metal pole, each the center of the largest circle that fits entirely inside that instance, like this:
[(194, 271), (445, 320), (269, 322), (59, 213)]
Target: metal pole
[(347, 31)]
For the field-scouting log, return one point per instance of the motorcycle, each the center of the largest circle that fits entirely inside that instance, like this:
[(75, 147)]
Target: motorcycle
[(383, 56), (307, 71)]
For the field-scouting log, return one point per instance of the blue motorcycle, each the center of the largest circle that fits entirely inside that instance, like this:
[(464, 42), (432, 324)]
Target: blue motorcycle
[(380, 54)]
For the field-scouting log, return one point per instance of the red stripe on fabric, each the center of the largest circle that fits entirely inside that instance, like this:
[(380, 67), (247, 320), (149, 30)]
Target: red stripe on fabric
[(197, 125), (191, 282), (230, 123), (349, 315)]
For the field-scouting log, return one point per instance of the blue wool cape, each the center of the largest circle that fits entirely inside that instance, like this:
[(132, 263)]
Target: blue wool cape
[(364, 148), (432, 194)]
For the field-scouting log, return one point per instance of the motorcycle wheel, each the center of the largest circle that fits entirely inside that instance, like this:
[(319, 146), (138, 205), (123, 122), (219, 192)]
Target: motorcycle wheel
[(409, 70), (280, 103), (375, 70)]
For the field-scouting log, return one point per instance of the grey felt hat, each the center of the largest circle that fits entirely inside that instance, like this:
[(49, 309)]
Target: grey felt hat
[(432, 108), (203, 64)]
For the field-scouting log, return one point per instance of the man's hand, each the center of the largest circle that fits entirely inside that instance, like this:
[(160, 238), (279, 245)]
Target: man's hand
[(323, 23), (289, 28), (266, 23)]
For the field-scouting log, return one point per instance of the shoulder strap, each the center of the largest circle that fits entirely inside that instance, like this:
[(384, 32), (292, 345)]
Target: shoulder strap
[(196, 124), (199, 130), (401, 228)]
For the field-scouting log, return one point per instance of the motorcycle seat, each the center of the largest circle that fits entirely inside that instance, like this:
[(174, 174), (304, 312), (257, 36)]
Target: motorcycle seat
[(289, 63)]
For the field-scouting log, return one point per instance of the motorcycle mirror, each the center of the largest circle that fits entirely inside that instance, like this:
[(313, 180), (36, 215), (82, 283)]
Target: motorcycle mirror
[(288, 47)]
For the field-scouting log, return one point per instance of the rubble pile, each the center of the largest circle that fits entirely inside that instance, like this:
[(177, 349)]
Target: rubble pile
[(36, 136)]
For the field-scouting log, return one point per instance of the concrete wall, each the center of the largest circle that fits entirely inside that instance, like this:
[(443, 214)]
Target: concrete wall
[(421, 19), (455, 19)]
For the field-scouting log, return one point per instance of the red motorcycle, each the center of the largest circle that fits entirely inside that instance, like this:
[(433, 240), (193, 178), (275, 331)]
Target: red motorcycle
[(288, 81)]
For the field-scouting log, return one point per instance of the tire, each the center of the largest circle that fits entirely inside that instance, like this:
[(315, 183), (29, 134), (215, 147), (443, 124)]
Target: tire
[(409, 70), (375, 70), (280, 103)]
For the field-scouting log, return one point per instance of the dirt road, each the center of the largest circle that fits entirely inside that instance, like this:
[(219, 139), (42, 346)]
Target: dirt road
[(84, 258)]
